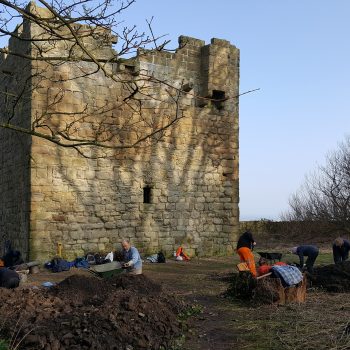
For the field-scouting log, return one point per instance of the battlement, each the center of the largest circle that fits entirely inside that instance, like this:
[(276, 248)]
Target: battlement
[(62, 39)]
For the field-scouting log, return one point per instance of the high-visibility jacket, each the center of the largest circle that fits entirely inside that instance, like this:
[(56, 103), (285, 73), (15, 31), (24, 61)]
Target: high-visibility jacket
[(180, 252)]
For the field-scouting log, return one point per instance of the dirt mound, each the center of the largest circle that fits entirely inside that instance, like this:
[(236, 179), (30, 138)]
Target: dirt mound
[(89, 313), (241, 286), (244, 287), (81, 290), (267, 290), (333, 278), (139, 283), (84, 290)]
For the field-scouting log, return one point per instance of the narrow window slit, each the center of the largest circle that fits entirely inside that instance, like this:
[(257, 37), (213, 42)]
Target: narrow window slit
[(147, 194)]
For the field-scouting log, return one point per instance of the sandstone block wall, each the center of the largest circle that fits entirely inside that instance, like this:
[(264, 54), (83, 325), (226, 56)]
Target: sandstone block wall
[(15, 148), (179, 189)]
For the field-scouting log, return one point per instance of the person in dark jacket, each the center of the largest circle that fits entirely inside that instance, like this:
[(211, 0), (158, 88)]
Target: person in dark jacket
[(246, 240), (9, 278), (311, 252), (341, 248), (245, 246)]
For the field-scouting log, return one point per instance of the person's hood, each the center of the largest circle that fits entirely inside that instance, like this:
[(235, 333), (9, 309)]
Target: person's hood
[(294, 250)]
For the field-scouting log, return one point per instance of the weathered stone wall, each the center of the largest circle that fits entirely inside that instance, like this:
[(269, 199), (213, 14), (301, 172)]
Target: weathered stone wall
[(14, 147), (90, 204)]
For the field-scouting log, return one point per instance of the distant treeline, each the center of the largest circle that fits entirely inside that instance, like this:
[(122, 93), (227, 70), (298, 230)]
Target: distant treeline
[(270, 233)]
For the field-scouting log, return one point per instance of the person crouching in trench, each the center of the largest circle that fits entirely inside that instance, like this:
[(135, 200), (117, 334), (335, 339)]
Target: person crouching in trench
[(131, 258), (245, 246)]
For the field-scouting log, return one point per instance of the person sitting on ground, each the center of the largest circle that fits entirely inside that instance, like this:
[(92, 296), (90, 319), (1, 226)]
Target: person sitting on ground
[(181, 255), (341, 248), (311, 252), (131, 258), (9, 278), (245, 246)]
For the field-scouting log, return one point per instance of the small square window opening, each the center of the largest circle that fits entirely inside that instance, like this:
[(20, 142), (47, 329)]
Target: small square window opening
[(218, 99)]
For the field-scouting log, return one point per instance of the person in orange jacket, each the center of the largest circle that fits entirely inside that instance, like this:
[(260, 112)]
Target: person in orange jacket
[(180, 253), (245, 246)]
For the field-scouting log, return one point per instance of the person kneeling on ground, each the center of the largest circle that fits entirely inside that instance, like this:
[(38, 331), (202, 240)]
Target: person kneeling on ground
[(311, 252), (245, 246), (341, 248), (131, 258), (180, 255), (9, 278), (265, 268)]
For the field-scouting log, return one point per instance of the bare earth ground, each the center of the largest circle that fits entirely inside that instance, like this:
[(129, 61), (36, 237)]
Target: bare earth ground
[(323, 322)]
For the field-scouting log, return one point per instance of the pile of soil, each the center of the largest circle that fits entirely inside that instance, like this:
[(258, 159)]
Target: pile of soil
[(267, 290), (243, 286), (82, 312), (332, 278)]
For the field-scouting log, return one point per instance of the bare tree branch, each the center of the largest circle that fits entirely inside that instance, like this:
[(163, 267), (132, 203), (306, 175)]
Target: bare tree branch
[(325, 195)]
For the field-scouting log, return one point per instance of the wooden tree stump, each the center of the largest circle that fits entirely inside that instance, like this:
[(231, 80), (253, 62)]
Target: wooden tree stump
[(271, 290)]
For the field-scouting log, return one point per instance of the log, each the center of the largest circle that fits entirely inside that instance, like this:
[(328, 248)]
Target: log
[(271, 290), (263, 276), (296, 293)]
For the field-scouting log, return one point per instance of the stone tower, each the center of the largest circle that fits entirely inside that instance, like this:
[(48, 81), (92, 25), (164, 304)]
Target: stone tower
[(180, 189)]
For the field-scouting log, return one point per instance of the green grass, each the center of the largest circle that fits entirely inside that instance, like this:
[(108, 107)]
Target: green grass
[(192, 310), (322, 259)]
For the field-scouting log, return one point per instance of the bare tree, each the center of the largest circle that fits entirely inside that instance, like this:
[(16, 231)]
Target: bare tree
[(69, 42), (325, 196)]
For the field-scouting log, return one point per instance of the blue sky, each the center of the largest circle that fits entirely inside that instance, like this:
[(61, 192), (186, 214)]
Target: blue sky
[(298, 54)]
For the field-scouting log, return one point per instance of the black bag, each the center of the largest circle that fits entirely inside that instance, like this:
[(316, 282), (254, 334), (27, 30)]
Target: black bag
[(99, 259), (161, 258)]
